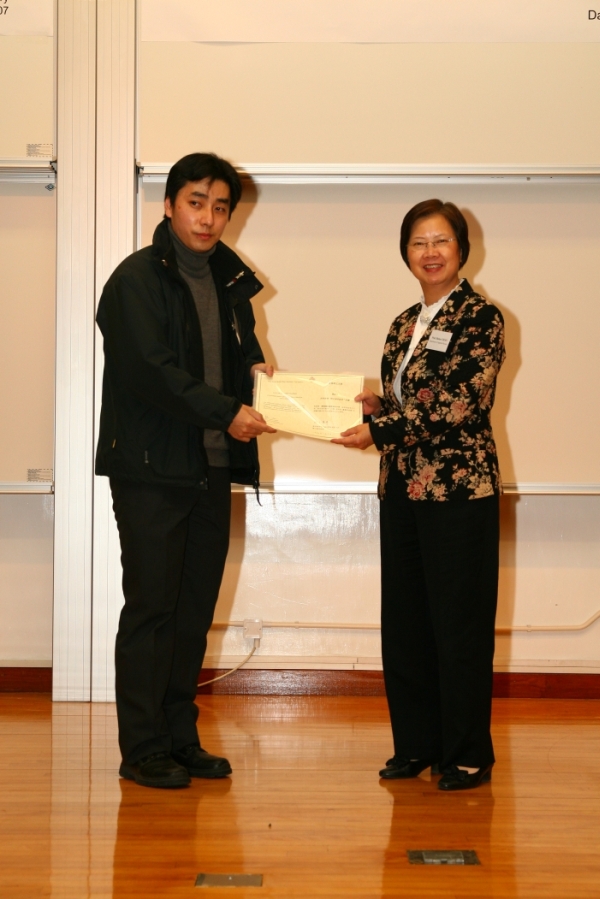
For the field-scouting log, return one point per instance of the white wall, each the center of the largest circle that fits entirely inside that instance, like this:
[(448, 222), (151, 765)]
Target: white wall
[(549, 578), (315, 558), (26, 547)]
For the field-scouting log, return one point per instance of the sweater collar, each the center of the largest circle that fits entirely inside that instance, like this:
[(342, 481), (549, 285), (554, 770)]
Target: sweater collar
[(189, 262)]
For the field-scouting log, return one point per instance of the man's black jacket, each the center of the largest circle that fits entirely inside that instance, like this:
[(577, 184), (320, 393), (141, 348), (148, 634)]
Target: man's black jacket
[(155, 402)]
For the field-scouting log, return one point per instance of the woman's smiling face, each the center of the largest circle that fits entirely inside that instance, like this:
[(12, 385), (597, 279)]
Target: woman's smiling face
[(434, 256)]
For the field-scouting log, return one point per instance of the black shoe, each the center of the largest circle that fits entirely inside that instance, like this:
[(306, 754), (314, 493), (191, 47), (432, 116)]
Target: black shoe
[(157, 770), (405, 768), (200, 763), (454, 778)]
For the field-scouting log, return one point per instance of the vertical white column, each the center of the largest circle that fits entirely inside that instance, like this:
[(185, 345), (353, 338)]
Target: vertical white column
[(115, 221), (76, 192)]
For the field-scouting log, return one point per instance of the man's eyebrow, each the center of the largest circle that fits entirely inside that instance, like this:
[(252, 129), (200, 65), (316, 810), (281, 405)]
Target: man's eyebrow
[(198, 193)]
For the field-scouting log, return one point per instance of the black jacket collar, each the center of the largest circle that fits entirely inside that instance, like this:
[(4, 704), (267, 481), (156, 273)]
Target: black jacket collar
[(229, 271)]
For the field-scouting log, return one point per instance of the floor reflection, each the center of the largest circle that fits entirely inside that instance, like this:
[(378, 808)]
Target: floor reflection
[(164, 839), (420, 820), (304, 807)]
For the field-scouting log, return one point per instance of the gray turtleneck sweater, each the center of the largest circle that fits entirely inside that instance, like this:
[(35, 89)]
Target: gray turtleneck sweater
[(195, 270)]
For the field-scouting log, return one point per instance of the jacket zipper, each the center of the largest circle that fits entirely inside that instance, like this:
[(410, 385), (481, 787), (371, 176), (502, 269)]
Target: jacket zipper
[(235, 326)]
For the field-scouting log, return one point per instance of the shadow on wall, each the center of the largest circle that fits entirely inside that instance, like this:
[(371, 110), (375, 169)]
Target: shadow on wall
[(512, 363), (506, 380), (232, 237), (235, 228)]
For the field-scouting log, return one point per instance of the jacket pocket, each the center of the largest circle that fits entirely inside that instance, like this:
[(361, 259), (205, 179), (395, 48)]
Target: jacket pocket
[(173, 453)]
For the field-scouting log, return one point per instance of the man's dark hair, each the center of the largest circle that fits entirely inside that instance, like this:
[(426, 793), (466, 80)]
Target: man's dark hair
[(197, 167), (451, 213)]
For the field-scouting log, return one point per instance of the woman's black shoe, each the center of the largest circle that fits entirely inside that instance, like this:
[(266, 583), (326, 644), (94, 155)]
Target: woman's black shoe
[(456, 779), (398, 768)]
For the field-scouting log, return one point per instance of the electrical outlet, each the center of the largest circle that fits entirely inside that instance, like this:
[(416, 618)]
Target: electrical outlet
[(253, 628)]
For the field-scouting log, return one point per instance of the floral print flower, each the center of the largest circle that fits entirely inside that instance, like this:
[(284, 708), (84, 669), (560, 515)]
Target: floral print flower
[(425, 395), (415, 490)]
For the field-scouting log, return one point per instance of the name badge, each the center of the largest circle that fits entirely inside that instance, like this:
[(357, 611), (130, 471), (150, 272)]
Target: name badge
[(439, 340)]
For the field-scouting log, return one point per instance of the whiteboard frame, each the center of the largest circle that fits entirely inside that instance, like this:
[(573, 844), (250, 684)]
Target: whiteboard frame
[(28, 171), (370, 488), (390, 173), (26, 487)]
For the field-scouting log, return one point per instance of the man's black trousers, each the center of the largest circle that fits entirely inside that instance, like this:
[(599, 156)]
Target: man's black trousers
[(174, 543), (439, 571)]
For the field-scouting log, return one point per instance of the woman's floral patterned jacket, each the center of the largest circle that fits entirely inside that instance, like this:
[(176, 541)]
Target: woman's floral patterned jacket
[(441, 437)]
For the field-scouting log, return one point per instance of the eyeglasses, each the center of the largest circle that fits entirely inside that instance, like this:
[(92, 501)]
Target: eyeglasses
[(420, 245)]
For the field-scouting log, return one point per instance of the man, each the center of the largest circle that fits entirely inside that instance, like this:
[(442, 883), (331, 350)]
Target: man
[(176, 428)]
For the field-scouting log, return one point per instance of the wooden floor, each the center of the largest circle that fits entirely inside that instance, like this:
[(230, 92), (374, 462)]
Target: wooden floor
[(304, 807)]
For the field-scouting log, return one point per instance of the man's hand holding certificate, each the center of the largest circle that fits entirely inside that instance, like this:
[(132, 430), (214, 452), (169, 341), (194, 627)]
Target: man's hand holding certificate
[(310, 405)]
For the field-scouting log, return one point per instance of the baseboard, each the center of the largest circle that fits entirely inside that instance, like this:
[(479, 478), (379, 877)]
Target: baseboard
[(530, 685), (296, 682), (259, 682), (25, 680)]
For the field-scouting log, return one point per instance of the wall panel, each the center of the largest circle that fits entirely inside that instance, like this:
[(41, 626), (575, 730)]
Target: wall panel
[(27, 327), (525, 104), (27, 99)]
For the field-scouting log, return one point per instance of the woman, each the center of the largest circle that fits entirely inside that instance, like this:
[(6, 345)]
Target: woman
[(439, 488)]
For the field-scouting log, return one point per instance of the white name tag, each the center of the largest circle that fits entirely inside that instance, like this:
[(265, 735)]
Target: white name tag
[(439, 340)]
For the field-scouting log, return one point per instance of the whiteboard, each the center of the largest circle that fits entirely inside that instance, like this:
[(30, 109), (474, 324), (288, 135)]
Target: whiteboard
[(27, 315), (334, 280), (27, 101), (522, 104)]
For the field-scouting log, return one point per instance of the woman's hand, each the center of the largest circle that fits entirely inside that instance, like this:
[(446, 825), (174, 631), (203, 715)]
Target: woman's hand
[(371, 403), (357, 438), (262, 366)]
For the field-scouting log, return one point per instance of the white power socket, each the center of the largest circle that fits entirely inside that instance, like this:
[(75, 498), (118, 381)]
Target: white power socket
[(253, 628)]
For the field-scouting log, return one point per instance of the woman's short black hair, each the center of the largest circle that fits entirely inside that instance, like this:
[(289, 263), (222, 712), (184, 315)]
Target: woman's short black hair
[(451, 213), (197, 167)]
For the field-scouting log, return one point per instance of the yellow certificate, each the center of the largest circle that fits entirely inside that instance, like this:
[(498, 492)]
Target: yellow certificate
[(312, 405)]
